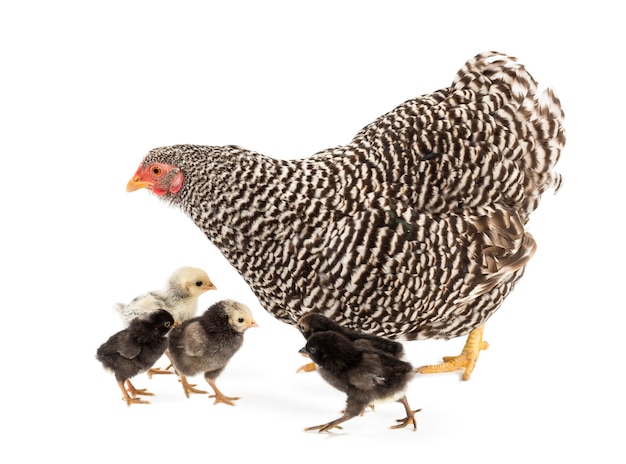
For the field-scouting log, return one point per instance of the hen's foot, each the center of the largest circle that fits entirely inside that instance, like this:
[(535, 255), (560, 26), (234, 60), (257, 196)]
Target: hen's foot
[(466, 360)]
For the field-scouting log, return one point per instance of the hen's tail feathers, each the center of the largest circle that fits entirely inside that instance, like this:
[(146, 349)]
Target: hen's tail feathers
[(534, 118)]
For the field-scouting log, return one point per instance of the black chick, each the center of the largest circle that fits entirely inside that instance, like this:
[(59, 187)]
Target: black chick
[(312, 323), (207, 343), (135, 350), (366, 375)]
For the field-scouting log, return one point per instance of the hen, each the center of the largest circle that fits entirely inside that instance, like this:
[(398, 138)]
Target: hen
[(413, 230)]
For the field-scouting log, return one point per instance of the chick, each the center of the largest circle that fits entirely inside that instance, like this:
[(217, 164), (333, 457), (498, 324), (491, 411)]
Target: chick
[(365, 374), (207, 343), (134, 350), (180, 297), (312, 323)]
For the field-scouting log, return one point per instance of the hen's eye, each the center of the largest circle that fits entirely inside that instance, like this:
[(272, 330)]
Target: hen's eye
[(312, 350), (167, 324), (199, 283), (240, 320), (156, 170)]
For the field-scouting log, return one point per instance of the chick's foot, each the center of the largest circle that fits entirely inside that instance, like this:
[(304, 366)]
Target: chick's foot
[(466, 360), (137, 391), (133, 391), (330, 425), (220, 397), (410, 416), (309, 367), (189, 388), (159, 371)]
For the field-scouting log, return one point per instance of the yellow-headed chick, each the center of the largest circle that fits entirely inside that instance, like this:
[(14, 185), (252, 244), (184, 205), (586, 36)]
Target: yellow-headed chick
[(136, 349), (365, 374), (179, 298), (207, 343)]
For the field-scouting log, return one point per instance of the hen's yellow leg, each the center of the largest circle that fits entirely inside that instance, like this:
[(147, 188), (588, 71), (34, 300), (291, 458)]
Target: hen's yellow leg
[(466, 360)]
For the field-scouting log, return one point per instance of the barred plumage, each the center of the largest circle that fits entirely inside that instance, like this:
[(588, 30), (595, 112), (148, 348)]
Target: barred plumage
[(413, 230)]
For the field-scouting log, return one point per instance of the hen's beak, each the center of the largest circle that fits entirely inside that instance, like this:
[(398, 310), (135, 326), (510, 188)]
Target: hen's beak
[(136, 183)]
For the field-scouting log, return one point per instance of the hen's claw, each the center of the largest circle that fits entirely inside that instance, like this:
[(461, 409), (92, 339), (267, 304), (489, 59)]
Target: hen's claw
[(466, 360)]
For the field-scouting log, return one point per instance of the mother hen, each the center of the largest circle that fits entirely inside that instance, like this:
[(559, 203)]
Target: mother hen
[(413, 230)]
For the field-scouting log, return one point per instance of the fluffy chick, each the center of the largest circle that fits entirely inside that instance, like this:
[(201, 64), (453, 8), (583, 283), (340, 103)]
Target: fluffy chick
[(136, 349), (365, 374), (312, 323), (207, 343), (180, 297)]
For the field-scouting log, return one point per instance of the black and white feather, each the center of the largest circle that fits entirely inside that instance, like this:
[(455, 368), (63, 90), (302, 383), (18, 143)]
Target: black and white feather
[(415, 229)]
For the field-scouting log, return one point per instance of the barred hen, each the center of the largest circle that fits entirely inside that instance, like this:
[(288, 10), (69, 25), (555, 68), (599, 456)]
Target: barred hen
[(413, 230)]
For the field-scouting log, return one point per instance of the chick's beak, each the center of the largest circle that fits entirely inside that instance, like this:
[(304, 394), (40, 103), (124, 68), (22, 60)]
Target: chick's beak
[(252, 324), (208, 285), (136, 183)]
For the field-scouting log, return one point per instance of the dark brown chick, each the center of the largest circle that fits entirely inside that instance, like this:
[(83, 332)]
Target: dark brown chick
[(312, 323), (207, 343), (366, 375), (135, 350)]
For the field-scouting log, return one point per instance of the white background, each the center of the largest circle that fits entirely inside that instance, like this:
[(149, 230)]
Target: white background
[(87, 90)]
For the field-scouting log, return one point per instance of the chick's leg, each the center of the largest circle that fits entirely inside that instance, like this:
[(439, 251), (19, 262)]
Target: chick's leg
[(309, 367), (187, 387), (466, 360), (353, 408), (156, 370), (127, 397), (137, 391), (219, 396), (410, 415)]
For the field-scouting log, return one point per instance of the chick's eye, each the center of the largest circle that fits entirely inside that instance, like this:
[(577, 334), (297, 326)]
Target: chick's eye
[(156, 170), (240, 320), (199, 283)]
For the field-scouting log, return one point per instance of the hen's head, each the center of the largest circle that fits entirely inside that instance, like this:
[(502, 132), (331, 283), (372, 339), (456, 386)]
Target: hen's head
[(161, 178)]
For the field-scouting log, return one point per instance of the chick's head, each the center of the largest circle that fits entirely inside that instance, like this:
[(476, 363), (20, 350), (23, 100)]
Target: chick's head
[(240, 316), (192, 280)]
